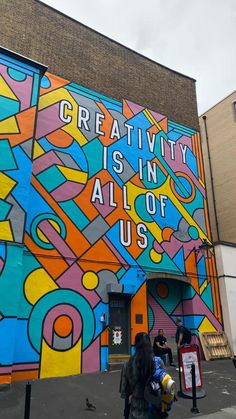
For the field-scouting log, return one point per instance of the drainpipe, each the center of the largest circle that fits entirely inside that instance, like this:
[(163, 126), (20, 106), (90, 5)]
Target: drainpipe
[(212, 181)]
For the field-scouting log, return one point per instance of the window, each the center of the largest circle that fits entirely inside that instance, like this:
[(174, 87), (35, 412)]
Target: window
[(234, 109)]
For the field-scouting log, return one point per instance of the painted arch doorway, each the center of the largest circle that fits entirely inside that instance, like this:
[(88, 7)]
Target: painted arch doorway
[(165, 303)]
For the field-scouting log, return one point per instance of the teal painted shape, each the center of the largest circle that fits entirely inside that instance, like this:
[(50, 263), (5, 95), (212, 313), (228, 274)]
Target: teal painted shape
[(5, 208), (35, 90), (192, 322), (121, 272), (16, 74), (8, 107), (11, 287), (75, 214), (196, 203), (151, 318), (94, 154), (52, 299), (179, 259), (174, 295), (161, 177), (7, 161), (51, 178), (206, 296), (141, 210), (188, 292), (30, 264)]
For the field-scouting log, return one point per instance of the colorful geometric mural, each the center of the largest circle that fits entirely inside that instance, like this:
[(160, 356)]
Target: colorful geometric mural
[(101, 192)]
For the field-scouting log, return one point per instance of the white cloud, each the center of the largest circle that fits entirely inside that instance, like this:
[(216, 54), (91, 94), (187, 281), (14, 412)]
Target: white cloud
[(196, 38)]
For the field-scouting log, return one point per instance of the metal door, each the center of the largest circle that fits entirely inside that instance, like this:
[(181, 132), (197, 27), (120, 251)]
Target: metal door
[(119, 324)]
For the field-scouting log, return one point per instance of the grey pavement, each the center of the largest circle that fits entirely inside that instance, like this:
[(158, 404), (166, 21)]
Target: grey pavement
[(64, 398)]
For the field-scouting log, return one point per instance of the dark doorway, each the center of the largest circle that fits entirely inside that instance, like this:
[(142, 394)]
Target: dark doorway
[(119, 324)]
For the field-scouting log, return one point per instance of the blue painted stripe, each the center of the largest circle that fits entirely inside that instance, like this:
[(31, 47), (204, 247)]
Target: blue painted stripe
[(91, 92), (19, 63)]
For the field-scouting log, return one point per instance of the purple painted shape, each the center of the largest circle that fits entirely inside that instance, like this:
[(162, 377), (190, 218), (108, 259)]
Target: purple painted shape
[(196, 306), (157, 247), (172, 246), (158, 116), (46, 160), (177, 164), (25, 367), (59, 310), (161, 317), (22, 89), (91, 357), (58, 242), (116, 253), (105, 208), (48, 121), (135, 108), (6, 370), (72, 279), (1, 264), (67, 190)]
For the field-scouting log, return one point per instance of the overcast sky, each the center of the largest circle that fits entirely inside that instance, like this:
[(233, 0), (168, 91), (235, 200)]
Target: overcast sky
[(194, 37)]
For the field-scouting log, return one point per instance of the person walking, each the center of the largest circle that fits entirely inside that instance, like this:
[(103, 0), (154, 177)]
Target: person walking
[(161, 348), (135, 374)]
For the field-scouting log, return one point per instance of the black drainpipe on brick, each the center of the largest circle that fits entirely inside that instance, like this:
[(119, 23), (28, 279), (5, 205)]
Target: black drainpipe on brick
[(212, 181)]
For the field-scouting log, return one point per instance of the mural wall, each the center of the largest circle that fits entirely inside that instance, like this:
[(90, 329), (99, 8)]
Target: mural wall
[(101, 192)]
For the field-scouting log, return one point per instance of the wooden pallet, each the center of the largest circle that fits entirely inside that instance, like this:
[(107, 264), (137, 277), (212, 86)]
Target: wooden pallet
[(215, 345)]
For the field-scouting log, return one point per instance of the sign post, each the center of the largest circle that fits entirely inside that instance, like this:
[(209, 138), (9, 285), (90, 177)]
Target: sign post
[(187, 356)]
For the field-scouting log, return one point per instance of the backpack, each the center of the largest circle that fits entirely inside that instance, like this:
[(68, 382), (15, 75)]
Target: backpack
[(187, 336), (160, 389)]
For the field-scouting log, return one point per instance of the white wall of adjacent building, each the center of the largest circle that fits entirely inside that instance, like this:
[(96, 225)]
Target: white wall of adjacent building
[(226, 266)]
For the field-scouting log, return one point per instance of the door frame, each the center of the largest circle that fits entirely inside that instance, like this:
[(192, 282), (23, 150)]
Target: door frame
[(128, 298)]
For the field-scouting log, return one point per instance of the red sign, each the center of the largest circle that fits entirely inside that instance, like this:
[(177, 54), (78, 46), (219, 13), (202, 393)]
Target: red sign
[(190, 355)]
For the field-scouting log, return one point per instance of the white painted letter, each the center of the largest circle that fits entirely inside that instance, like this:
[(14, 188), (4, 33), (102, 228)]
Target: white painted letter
[(97, 192), (115, 156), (151, 172), (151, 141), (115, 131), (98, 123), (125, 241), (63, 105), (142, 244), (163, 204), (151, 209), (126, 205), (183, 148), (172, 150), (112, 203), (83, 117), (129, 128)]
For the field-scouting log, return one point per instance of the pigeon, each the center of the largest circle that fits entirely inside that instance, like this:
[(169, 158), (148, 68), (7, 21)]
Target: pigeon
[(90, 406)]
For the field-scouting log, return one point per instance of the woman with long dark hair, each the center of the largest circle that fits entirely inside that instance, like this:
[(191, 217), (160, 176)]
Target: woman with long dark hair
[(135, 375)]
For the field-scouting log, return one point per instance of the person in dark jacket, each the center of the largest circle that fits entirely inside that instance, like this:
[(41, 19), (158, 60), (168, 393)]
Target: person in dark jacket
[(161, 348), (135, 374), (180, 333)]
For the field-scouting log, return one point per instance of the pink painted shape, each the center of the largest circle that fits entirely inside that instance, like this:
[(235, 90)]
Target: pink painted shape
[(46, 160), (1, 264), (157, 247), (177, 164), (58, 242), (91, 357), (48, 120), (25, 367), (72, 279), (22, 89), (196, 306), (135, 108), (161, 317), (105, 208), (62, 309), (67, 190), (172, 247), (158, 116)]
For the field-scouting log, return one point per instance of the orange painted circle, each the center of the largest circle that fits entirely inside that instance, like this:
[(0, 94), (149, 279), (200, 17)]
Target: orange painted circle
[(181, 198), (63, 326), (162, 290)]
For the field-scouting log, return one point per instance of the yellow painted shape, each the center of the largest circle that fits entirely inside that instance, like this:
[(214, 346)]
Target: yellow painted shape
[(151, 119), (206, 326), (42, 236), (6, 90), (5, 230), (37, 284), (9, 126), (201, 182), (90, 280), (71, 127), (203, 286), (73, 174), (6, 185), (60, 363), (55, 225), (38, 150), (155, 257)]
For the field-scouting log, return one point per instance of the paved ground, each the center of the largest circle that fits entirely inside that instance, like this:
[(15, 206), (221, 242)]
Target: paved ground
[(64, 398)]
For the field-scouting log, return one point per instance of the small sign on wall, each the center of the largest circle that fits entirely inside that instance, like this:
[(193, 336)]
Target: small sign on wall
[(190, 355)]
